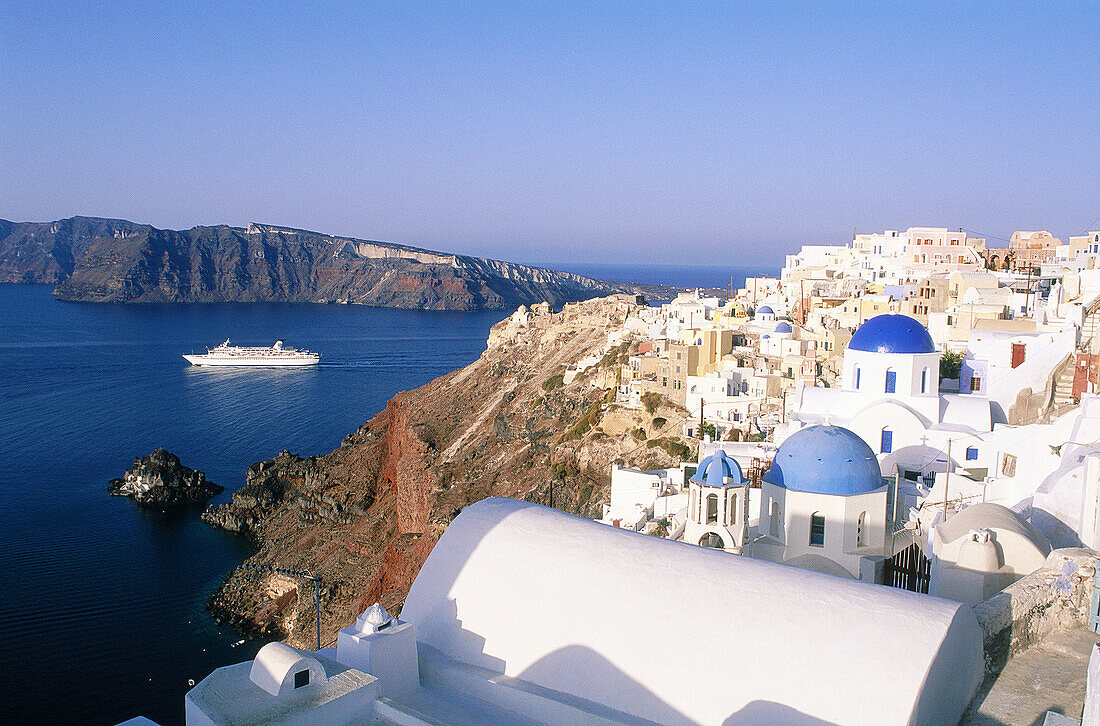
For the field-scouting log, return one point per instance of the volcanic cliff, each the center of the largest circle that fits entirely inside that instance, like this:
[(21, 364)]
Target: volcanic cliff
[(363, 517), (110, 260)]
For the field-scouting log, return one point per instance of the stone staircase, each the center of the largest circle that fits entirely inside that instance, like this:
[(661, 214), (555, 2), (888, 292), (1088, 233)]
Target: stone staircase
[(1089, 328), (1062, 399)]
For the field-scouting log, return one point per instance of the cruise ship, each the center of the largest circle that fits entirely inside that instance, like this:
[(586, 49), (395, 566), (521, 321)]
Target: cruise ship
[(228, 354)]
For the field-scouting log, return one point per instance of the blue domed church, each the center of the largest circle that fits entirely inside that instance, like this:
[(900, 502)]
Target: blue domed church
[(825, 506), (718, 504), (889, 395)]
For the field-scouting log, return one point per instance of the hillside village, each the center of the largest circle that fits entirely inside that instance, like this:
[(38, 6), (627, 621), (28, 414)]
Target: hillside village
[(890, 509)]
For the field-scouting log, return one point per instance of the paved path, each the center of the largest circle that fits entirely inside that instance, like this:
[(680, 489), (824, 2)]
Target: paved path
[(1047, 677)]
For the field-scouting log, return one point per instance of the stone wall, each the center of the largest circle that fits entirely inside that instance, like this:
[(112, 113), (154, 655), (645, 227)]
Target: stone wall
[(1055, 597)]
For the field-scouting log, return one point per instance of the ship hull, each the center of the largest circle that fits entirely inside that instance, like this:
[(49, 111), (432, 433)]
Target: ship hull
[(204, 360)]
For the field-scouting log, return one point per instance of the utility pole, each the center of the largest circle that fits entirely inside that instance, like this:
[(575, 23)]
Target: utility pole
[(946, 479), (1027, 295)]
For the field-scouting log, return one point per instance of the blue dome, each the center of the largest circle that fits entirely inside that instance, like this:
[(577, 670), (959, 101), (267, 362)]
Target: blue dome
[(892, 333), (825, 460), (715, 468), (783, 327), (764, 310)]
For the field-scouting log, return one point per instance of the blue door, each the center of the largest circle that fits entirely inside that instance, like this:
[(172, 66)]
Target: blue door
[(891, 381)]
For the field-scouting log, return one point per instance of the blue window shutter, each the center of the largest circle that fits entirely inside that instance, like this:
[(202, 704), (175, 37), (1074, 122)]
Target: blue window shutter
[(891, 381), (971, 453), (887, 444)]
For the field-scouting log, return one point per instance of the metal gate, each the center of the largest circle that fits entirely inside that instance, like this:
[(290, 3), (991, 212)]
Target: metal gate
[(908, 569)]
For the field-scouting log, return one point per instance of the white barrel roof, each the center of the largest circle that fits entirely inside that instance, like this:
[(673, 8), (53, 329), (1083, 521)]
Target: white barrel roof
[(681, 634)]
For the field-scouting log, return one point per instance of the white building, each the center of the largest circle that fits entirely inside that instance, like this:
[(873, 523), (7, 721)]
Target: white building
[(285, 686), (638, 497), (522, 605), (825, 506), (718, 504), (889, 395), (982, 550)]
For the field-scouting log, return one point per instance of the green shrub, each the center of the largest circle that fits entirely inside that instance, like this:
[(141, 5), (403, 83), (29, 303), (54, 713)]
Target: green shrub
[(672, 448), (651, 401), (564, 471), (638, 434), (950, 365), (588, 419), (553, 382)]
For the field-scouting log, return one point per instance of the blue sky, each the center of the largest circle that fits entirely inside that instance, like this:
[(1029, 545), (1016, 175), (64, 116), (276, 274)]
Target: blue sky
[(669, 133)]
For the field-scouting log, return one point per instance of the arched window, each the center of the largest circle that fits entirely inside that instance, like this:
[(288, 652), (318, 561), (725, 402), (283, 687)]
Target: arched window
[(886, 443), (817, 529), (731, 509), (710, 539), (712, 509), (693, 503), (924, 381), (891, 380), (861, 524), (856, 378), (773, 515)]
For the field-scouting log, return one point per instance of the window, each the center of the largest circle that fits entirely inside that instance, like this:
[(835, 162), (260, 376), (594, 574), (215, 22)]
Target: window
[(891, 381), (773, 515), (301, 678), (886, 444), (731, 511), (860, 529), (971, 453), (857, 378), (817, 530), (924, 381), (975, 384), (712, 509), (710, 539), (1008, 465)]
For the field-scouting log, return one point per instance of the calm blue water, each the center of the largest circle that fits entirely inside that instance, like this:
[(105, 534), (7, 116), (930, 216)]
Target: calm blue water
[(107, 598), (717, 276), (103, 596)]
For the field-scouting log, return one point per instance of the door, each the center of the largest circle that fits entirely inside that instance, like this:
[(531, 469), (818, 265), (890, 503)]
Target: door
[(1018, 352)]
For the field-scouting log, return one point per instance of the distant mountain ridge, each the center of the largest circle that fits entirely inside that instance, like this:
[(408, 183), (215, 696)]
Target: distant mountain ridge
[(112, 260)]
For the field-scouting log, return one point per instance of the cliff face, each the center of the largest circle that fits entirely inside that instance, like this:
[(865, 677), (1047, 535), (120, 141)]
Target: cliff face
[(47, 252), (101, 260), (364, 516)]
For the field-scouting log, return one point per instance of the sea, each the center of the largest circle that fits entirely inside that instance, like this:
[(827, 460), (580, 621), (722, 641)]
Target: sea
[(102, 601)]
